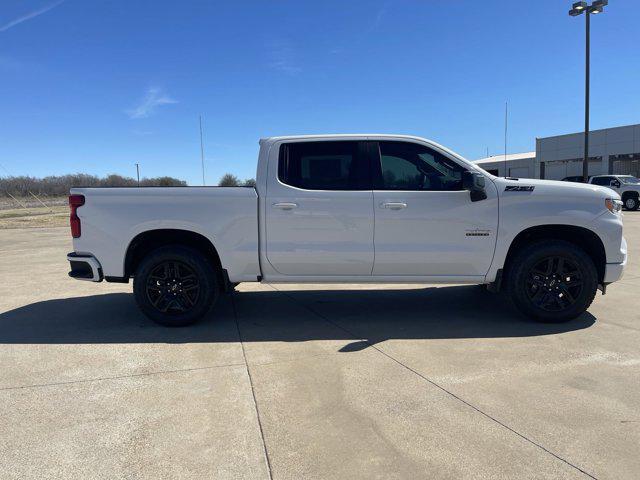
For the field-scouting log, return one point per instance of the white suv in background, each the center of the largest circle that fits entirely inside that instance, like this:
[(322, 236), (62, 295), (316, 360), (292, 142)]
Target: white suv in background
[(627, 186)]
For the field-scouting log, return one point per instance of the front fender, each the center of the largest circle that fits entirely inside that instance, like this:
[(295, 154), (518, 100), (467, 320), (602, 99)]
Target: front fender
[(520, 211)]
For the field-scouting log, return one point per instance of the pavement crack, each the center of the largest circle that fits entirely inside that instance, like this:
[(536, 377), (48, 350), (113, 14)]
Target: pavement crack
[(433, 383), (253, 392), (119, 377)]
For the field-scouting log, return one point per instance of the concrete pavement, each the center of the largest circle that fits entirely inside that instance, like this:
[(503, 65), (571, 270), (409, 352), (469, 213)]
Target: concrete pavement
[(307, 381)]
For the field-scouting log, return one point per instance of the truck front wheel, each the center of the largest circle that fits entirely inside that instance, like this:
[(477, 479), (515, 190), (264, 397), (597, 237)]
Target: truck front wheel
[(552, 281), (175, 286), (631, 202)]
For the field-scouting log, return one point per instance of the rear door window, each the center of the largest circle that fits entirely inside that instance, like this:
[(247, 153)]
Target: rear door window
[(339, 165)]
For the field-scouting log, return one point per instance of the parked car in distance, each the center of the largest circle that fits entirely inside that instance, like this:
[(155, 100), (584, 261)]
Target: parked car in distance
[(353, 209), (627, 186)]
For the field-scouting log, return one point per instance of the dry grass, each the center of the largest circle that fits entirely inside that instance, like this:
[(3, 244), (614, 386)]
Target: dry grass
[(8, 203), (34, 217)]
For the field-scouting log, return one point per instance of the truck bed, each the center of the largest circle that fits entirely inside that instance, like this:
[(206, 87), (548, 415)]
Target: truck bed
[(112, 218)]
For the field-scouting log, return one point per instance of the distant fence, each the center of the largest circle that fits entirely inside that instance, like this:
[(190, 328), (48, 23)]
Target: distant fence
[(60, 185)]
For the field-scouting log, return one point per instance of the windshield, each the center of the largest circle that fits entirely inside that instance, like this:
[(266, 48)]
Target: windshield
[(630, 179)]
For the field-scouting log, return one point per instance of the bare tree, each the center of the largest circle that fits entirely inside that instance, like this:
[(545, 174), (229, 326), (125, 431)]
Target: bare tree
[(229, 180), (60, 185)]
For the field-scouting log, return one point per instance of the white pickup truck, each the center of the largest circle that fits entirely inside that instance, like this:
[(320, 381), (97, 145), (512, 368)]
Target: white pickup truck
[(353, 209), (627, 186)]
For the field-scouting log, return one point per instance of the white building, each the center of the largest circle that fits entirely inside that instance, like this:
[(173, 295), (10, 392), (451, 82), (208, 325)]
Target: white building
[(518, 165), (611, 150)]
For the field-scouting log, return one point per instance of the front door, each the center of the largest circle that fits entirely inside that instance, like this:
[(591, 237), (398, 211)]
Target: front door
[(607, 181), (319, 210), (425, 223)]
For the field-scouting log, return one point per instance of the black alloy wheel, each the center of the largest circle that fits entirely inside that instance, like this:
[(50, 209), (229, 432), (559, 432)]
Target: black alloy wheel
[(551, 280), (554, 283), (173, 287), (176, 285)]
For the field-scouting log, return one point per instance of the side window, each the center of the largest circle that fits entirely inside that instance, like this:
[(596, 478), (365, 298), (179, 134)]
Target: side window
[(322, 166), (606, 181), (409, 166)]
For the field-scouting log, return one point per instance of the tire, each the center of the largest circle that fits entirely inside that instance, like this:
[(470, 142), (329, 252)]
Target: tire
[(160, 291), (538, 285), (631, 202)]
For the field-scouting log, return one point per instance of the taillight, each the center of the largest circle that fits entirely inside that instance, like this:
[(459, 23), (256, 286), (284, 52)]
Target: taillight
[(75, 201)]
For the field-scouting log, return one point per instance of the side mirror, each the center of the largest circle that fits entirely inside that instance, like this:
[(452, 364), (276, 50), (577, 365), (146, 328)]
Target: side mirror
[(474, 182), (614, 184)]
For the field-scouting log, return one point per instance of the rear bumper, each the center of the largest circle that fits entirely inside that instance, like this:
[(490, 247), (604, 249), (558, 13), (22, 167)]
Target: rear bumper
[(85, 267), (614, 271)]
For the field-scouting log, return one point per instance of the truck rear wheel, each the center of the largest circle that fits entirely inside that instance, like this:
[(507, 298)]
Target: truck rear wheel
[(552, 281), (175, 286)]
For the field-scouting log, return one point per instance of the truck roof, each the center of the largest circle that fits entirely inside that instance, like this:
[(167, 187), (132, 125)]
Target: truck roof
[(362, 136), (344, 136)]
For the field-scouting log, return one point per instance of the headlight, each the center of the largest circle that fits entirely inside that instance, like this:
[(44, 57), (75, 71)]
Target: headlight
[(614, 206)]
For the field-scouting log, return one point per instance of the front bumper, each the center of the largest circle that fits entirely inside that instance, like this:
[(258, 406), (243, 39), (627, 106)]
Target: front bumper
[(85, 267), (614, 271)]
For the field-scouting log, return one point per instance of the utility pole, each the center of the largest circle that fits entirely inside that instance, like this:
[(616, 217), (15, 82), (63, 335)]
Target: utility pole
[(138, 172), (202, 151)]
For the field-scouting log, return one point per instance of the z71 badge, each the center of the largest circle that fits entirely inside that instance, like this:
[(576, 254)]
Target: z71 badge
[(519, 188)]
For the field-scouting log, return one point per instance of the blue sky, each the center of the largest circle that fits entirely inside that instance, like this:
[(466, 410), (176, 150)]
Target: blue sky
[(95, 85)]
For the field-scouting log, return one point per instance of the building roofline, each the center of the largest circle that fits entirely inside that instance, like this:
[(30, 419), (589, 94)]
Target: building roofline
[(510, 156), (590, 131)]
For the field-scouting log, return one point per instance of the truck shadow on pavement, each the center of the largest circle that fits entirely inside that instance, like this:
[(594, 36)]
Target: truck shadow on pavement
[(363, 317)]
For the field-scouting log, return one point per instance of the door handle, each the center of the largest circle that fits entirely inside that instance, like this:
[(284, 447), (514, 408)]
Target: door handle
[(285, 205), (393, 205)]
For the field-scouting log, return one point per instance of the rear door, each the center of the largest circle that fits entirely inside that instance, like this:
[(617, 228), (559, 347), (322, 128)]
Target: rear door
[(425, 222), (319, 210)]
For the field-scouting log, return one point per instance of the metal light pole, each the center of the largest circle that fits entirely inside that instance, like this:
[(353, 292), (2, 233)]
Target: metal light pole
[(202, 151), (138, 172), (506, 106), (579, 8)]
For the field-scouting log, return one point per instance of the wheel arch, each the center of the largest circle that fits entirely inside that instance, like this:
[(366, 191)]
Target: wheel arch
[(145, 242), (582, 237)]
